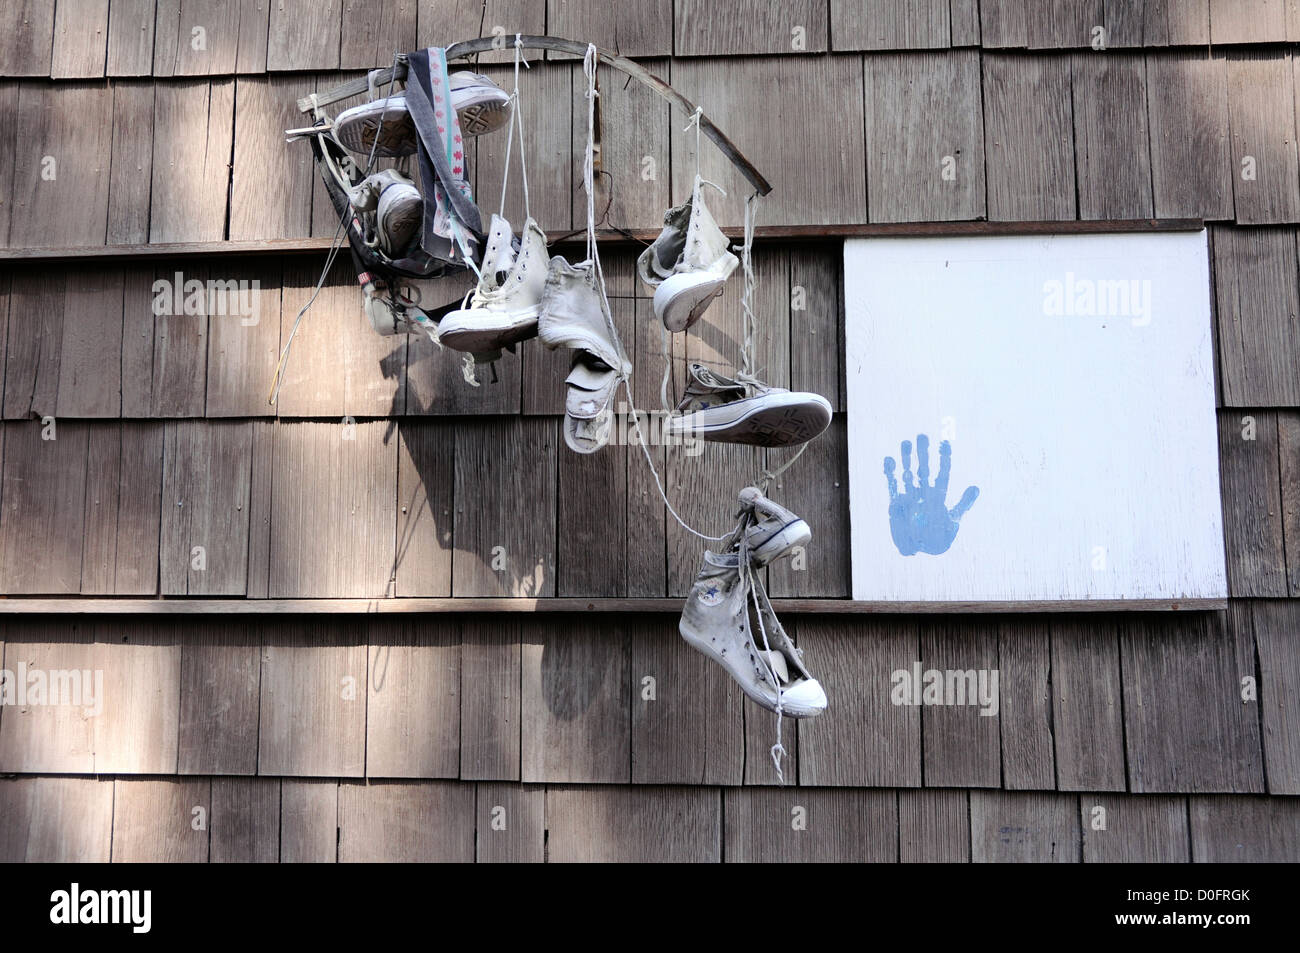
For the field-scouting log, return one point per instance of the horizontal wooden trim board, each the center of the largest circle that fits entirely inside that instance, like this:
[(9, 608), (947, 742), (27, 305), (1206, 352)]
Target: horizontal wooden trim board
[(615, 238), (189, 606)]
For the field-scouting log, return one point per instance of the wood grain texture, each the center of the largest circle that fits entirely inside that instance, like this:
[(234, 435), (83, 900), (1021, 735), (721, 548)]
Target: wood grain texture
[(642, 29), (394, 822), (443, 22), (205, 503), (123, 509), (1087, 705), (130, 37), (510, 820), (43, 517), (1252, 503), (1288, 437), (61, 165), (304, 34), (131, 171), (193, 123), (646, 524), (817, 322), (271, 181), (27, 44), (46, 737), (167, 351), (1191, 154), (1111, 142), (490, 693), (1257, 294), (816, 486), (862, 738), (1186, 727), (1261, 113), (220, 672), (413, 700), (702, 490), (309, 822), (210, 37), (803, 92), (245, 823), (924, 138), (1273, 625), (1028, 137), (882, 25), (960, 743), (633, 824), (244, 339), (686, 720), (425, 470), (372, 33), (259, 515), (1157, 23), (1008, 827), (1137, 830), (505, 465), (161, 821), (712, 29), (634, 164), (1052, 24), (56, 820), (762, 826), (339, 365), (90, 352), (576, 724), (1025, 705), (80, 39), (1244, 829), (333, 509), (34, 342), (933, 826), (137, 733), (1248, 21), (313, 701)]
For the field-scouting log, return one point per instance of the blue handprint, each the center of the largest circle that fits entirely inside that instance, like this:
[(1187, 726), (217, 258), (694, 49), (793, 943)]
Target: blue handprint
[(919, 518)]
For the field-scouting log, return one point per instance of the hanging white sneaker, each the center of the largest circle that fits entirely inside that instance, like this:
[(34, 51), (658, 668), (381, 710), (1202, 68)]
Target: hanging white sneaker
[(688, 263), (775, 532), (587, 405), (718, 621), (392, 208), (481, 107), (721, 409), (504, 307)]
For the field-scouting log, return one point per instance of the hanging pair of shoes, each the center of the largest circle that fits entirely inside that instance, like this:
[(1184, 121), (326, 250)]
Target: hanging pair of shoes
[(688, 263), (481, 106), (729, 618)]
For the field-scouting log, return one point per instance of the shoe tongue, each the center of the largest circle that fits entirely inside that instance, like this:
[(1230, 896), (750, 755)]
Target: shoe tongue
[(590, 390), (711, 380), (778, 664)]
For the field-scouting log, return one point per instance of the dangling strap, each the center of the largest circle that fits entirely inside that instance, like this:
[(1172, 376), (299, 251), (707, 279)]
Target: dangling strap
[(516, 113)]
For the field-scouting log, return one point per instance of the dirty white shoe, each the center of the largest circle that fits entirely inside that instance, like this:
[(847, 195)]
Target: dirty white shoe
[(729, 410), (718, 620), (775, 532), (688, 263), (481, 106), (504, 307), (391, 207), (587, 405)]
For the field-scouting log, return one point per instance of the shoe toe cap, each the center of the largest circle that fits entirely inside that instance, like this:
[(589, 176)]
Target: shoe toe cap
[(805, 699)]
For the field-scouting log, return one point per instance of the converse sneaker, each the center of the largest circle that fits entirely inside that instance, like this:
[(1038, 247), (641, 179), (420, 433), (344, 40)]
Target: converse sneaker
[(719, 408), (587, 405), (718, 621), (396, 206), (774, 532), (481, 106), (504, 307), (688, 263)]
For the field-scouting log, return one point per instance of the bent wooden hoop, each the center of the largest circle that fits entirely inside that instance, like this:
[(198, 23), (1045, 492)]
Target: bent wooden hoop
[(560, 45)]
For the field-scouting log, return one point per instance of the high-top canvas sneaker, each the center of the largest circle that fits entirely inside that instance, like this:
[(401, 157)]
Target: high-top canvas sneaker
[(775, 532), (504, 307), (397, 206), (718, 621), (574, 316), (729, 410), (481, 106), (687, 264)]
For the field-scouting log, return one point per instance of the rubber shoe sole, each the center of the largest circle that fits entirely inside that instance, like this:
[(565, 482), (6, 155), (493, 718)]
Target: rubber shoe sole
[(770, 420), (480, 330), (682, 299)]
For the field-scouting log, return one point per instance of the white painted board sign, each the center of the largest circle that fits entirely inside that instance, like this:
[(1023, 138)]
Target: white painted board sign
[(1062, 390)]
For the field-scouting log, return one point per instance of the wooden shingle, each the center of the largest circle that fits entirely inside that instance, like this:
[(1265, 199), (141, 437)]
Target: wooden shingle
[(312, 720), (440, 24), (220, 672), (431, 822), (490, 666), (161, 820), (26, 45), (1028, 137), (425, 469), (1276, 627), (56, 820), (702, 28), (80, 39), (686, 712), (272, 180), (792, 825), (1124, 829), (924, 138), (413, 699), (372, 33), (244, 333), (882, 25), (1087, 705), (123, 509), (1261, 113), (1288, 436), (333, 509), (862, 738), (633, 824), (647, 518), (1052, 24), (510, 820), (245, 823), (576, 706), (309, 822), (130, 37), (933, 826), (1248, 21), (1025, 705), (640, 29), (131, 172), (960, 742), (193, 123), (43, 516), (1244, 829), (591, 546), (816, 486), (304, 34), (817, 321), (1112, 150), (1252, 503), (1008, 827), (1186, 728), (1191, 155)]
